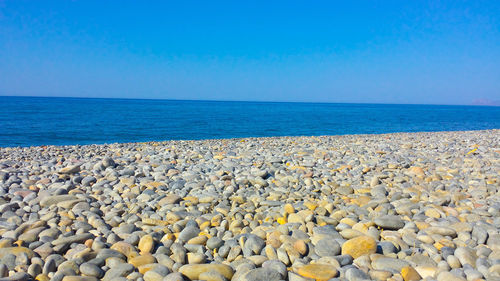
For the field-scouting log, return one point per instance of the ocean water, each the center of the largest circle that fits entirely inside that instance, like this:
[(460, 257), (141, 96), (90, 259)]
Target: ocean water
[(27, 121)]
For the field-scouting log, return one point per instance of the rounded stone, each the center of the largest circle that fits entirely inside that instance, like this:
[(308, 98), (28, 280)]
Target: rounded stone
[(410, 274), (466, 255), (327, 248), (259, 274), (214, 243), (193, 271), (146, 244), (319, 272), (389, 222), (359, 246), (212, 276), (188, 232), (453, 261), (142, 260), (301, 247), (277, 266), (90, 269), (152, 275)]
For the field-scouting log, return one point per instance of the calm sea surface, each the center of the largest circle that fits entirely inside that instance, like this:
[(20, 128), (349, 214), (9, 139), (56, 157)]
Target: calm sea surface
[(27, 121)]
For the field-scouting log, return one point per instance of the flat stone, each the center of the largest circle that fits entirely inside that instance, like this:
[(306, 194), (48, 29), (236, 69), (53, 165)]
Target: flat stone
[(389, 222), (68, 204), (214, 243), (410, 274), (31, 235), (327, 247), (125, 249), (277, 266), (354, 274), (441, 230), (359, 246), (466, 255), (78, 238), (319, 272), (254, 244), (188, 233), (389, 264), (193, 271), (262, 273), (142, 260), (91, 269), (55, 199), (16, 251), (120, 270), (70, 169)]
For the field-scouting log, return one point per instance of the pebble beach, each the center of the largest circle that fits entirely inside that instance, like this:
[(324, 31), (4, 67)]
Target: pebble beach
[(404, 206)]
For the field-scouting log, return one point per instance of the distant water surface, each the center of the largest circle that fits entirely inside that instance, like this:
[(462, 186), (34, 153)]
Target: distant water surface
[(27, 121)]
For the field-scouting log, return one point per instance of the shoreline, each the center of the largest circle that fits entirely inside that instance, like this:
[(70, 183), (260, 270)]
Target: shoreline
[(397, 206), (249, 138)]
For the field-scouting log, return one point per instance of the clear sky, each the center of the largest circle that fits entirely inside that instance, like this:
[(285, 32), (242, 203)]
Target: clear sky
[(431, 52)]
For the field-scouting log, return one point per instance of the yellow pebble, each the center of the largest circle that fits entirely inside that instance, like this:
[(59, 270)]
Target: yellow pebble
[(410, 274), (311, 205), (348, 221), (281, 220), (205, 225), (42, 277), (205, 234)]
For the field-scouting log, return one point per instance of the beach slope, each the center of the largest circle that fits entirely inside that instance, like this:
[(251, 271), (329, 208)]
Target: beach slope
[(402, 206)]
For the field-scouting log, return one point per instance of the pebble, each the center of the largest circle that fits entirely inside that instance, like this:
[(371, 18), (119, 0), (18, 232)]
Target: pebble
[(466, 255), (90, 269), (119, 270), (319, 272), (211, 276), (276, 266), (152, 275), (214, 243), (354, 274), (389, 222), (405, 206), (146, 244), (327, 247), (410, 274), (263, 273), (193, 271), (389, 264), (453, 261), (188, 233), (359, 246)]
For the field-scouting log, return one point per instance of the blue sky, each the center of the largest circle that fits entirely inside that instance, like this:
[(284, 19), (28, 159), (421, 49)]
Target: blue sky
[(430, 52)]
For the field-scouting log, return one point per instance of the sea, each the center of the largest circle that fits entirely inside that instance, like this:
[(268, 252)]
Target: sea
[(34, 121)]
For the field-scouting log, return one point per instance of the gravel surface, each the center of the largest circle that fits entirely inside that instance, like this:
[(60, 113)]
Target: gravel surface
[(406, 206)]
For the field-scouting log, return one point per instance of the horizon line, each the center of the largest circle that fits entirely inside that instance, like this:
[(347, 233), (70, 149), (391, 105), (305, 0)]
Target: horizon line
[(250, 101)]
